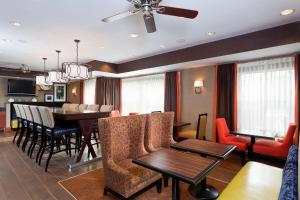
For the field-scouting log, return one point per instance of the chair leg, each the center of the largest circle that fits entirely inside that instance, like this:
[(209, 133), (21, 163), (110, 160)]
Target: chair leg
[(166, 180), (159, 186), (21, 136), (17, 132), (41, 147), (243, 157), (95, 138), (28, 133), (105, 191), (43, 150), (50, 154)]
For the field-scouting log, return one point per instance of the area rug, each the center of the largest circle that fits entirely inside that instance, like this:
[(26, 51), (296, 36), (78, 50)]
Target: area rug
[(89, 186)]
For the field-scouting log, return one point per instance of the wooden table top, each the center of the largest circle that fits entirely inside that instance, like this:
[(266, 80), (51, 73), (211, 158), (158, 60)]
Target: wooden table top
[(203, 147), (181, 124), (253, 133), (59, 113), (187, 167)]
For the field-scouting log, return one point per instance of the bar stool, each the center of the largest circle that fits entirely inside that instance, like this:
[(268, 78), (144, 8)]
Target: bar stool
[(19, 121), (53, 134)]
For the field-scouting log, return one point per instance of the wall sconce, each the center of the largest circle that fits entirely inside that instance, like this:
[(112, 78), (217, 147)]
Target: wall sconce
[(198, 85), (74, 91)]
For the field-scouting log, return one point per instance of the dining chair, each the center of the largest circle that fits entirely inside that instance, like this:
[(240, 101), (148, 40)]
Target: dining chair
[(30, 127), (37, 138), (23, 124), (18, 114), (73, 107), (122, 140), (93, 107), (82, 107), (224, 137), (199, 133), (159, 133), (106, 108), (278, 149), (65, 106), (54, 135)]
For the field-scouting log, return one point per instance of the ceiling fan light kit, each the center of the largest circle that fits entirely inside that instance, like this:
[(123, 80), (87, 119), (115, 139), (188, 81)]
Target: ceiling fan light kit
[(148, 8)]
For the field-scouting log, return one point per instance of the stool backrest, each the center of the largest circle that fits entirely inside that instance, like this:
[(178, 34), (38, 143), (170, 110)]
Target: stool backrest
[(22, 111), (28, 113), (47, 117), (93, 107), (36, 115), (82, 107), (17, 110)]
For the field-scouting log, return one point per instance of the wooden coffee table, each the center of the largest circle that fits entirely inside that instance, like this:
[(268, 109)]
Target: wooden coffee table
[(181, 166), (204, 148)]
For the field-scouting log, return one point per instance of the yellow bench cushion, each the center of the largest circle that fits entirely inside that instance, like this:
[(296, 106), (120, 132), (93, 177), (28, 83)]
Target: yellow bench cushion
[(187, 134), (255, 181)]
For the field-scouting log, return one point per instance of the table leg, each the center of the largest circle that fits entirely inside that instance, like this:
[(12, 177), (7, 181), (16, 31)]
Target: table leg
[(203, 191), (175, 189), (86, 132), (251, 146)]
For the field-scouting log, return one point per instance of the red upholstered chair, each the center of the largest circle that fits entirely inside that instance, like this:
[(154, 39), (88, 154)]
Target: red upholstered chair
[(224, 136), (276, 148)]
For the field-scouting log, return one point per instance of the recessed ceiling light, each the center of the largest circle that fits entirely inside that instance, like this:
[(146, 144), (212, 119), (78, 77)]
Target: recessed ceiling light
[(287, 12), (162, 46), (6, 40), (134, 35), (211, 33), (181, 40), (14, 23), (22, 41), (101, 47)]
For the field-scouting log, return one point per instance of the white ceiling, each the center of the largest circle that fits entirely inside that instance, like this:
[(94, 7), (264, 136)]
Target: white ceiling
[(47, 25)]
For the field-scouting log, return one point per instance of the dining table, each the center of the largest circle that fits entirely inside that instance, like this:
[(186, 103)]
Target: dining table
[(204, 148), (180, 166), (86, 119), (253, 134)]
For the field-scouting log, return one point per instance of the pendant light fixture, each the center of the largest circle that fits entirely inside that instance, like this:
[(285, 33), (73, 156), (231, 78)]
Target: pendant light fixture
[(57, 76), (75, 70), (43, 80)]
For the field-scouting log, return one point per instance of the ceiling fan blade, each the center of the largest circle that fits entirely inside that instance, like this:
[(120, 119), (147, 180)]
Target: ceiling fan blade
[(179, 12), (150, 23), (120, 16)]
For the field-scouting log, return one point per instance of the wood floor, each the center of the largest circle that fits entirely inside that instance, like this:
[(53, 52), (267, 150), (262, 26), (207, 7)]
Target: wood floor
[(22, 179)]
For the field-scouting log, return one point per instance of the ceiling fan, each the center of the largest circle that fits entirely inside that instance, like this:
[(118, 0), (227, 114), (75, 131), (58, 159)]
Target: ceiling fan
[(24, 69), (148, 7)]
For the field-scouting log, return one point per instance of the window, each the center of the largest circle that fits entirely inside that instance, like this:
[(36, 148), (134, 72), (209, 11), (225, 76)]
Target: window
[(266, 95), (89, 90), (143, 94)]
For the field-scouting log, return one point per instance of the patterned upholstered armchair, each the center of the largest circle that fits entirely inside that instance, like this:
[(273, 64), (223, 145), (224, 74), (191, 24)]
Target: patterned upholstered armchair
[(159, 131), (122, 139)]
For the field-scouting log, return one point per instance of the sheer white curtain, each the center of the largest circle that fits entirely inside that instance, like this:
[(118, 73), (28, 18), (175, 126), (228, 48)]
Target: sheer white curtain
[(266, 95), (89, 91), (143, 94)]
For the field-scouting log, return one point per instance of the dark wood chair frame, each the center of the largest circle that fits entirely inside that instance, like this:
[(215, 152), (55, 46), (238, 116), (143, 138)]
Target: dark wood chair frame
[(157, 183)]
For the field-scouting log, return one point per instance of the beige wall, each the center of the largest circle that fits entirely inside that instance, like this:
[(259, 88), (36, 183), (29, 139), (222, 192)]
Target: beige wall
[(193, 104)]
